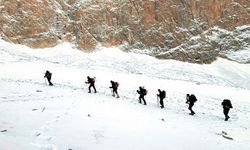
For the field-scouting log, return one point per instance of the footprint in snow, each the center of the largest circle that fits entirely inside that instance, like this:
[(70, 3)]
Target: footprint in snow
[(48, 147), (37, 133), (5, 130), (98, 135), (49, 138)]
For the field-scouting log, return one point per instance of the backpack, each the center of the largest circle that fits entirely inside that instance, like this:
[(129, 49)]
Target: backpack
[(192, 98), (48, 74), (92, 80), (163, 94), (227, 103), (145, 92), (116, 84)]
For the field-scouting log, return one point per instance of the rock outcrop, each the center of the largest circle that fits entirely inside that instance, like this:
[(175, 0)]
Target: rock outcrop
[(174, 29)]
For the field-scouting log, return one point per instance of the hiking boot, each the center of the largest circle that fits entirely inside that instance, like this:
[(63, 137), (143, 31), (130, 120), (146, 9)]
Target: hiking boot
[(192, 113)]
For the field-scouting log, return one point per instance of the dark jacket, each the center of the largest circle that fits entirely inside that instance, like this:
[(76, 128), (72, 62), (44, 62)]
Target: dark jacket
[(114, 85), (48, 75), (192, 99), (226, 103), (162, 94), (142, 91), (90, 80)]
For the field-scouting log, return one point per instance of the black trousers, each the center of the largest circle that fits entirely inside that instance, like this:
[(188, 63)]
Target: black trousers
[(92, 85), (161, 102), (226, 111), (115, 91), (49, 78), (142, 98), (190, 108)]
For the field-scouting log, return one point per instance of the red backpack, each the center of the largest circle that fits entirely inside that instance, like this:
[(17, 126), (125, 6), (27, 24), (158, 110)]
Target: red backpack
[(116, 84), (93, 80)]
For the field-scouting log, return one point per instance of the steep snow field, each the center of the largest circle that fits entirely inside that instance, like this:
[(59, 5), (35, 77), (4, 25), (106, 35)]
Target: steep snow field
[(34, 116)]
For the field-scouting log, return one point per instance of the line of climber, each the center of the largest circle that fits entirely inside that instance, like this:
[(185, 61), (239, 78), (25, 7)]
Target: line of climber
[(142, 91)]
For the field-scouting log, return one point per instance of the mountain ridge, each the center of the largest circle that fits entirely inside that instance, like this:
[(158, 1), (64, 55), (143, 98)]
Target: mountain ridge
[(180, 30)]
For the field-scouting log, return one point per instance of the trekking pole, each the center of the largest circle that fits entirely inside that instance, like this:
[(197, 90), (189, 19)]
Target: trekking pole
[(45, 81), (157, 100), (111, 92), (134, 95), (86, 85)]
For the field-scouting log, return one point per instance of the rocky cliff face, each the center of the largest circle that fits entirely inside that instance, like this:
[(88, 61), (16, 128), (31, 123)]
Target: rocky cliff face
[(196, 31)]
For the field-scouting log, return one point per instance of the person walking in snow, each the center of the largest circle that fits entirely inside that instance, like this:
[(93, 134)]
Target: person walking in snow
[(91, 82), (142, 92), (191, 100), (48, 75), (114, 86), (161, 95), (226, 103)]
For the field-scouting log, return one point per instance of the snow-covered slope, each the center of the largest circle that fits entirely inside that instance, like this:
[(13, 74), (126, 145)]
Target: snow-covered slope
[(36, 116)]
